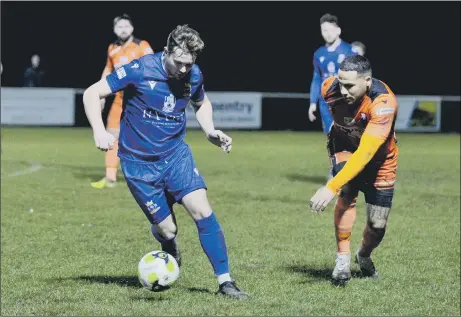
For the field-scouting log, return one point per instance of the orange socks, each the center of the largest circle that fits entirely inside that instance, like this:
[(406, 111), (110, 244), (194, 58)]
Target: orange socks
[(112, 162), (344, 220)]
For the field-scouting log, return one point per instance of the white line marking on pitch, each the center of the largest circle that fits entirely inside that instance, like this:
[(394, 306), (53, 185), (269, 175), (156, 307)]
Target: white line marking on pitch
[(34, 167)]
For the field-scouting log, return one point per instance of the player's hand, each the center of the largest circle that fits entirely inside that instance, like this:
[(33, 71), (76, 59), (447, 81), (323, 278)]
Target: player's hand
[(104, 140), (312, 109), (321, 199), (220, 139)]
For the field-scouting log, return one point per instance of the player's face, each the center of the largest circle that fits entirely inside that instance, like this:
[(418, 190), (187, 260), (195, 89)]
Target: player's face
[(359, 50), (123, 29), (178, 63), (353, 85), (330, 32), (35, 60)]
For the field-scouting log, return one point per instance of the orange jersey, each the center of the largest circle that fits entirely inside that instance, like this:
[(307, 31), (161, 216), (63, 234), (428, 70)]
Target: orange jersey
[(119, 55), (375, 115)]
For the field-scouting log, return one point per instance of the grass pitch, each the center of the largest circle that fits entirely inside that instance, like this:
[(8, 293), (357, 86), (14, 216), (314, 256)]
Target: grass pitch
[(69, 249)]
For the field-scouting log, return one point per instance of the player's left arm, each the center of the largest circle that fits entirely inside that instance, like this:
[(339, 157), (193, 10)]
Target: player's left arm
[(204, 114), (145, 48), (382, 115)]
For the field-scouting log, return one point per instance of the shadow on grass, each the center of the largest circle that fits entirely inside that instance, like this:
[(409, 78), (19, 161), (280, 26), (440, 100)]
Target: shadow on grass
[(317, 275), (127, 281), (320, 180), (198, 290)]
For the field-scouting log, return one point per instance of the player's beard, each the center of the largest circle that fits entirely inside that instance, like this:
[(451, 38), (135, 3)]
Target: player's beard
[(124, 37)]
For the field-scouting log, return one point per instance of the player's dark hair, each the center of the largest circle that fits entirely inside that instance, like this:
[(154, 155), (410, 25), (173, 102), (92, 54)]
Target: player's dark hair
[(356, 63), (329, 18), (124, 16), (186, 38)]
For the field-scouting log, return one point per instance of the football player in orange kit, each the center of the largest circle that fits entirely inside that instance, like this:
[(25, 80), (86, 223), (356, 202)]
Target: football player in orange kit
[(121, 52), (363, 152)]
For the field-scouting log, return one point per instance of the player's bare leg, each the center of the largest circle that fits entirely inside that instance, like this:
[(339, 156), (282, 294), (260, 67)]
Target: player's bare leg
[(212, 241), (345, 214), (372, 237), (111, 158), (165, 233), (112, 163)]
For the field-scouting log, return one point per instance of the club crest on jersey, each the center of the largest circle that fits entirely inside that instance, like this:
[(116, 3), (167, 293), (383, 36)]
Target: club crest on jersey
[(169, 104), (322, 58), (153, 208), (187, 90), (121, 73)]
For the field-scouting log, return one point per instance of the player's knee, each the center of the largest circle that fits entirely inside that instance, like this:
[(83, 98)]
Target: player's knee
[(197, 205), (377, 216), (114, 132), (167, 228)]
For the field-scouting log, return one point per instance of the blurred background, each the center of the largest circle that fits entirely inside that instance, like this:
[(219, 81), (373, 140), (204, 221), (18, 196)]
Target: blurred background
[(250, 46)]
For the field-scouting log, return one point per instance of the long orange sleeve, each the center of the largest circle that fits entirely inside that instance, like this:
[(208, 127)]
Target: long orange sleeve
[(368, 147)]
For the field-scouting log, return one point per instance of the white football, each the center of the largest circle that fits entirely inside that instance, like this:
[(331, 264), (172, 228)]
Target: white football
[(157, 268)]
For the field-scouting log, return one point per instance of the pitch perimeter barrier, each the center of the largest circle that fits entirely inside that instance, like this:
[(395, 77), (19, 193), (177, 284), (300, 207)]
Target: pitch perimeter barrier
[(231, 110)]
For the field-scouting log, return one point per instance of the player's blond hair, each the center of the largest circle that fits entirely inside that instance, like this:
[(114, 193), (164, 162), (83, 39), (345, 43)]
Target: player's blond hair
[(186, 38)]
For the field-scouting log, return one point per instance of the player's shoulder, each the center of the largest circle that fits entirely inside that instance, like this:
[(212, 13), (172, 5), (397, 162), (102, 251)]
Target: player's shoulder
[(346, 48), (379, 90), (137, 41), (346, 45), (195, 74), (320, 51), (152, 60), (383, 100), (140, 42)]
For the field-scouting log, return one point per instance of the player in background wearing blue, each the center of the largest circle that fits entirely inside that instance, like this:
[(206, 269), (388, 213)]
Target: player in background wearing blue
[(326, 63), (359, 48), (157, 164)]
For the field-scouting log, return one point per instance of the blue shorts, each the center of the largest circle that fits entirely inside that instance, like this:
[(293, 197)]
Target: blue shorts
[(157, 186), (327, 117)]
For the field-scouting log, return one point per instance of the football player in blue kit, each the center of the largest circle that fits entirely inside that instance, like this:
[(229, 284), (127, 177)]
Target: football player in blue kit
[(157, 164), (326, 63)]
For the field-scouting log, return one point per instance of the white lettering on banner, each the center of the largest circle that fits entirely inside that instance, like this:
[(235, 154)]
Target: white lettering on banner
[(418, 114), (231, 110), (37, 106)]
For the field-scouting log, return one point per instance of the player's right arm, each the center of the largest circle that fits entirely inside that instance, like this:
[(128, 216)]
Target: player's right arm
[(116, 81), (315, 89), (92, 102)]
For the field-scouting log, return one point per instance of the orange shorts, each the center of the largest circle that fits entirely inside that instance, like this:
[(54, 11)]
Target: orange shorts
[(115, 112)]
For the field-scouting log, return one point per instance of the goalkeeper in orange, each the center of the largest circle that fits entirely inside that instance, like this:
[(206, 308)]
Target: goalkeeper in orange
[(121, 52), (363, 153)]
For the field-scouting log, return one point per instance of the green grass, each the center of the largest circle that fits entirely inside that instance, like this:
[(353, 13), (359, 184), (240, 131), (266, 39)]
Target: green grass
[(77, 252)]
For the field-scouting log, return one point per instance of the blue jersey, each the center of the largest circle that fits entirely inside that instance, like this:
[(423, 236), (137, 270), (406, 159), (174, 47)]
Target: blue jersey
[(153, 121), (326, 64)]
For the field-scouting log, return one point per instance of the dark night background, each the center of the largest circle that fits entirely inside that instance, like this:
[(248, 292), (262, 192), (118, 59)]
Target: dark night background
[(250, 46)]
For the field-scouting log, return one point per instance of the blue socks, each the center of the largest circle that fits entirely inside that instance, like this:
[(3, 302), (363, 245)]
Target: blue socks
[(213, 243)]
